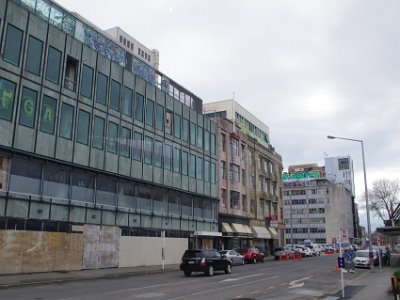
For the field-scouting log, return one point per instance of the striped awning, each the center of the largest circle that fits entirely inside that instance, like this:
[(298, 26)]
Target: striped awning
[(226, 228), (260, 232), (273, 232)]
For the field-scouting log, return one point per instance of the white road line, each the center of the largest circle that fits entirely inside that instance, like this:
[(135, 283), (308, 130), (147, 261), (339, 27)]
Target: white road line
[(241, 277)]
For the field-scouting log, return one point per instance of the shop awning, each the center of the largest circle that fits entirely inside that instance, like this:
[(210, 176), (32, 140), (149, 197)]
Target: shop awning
[(248, 230), (273, 232), (260, 232), (226, 228), (207, 233), (239, 228)]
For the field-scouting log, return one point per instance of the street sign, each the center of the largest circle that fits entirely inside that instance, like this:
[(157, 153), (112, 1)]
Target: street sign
[(349, 255), (340, 261)]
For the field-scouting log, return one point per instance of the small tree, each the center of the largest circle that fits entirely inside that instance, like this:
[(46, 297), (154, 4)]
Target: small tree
[(384, 198)]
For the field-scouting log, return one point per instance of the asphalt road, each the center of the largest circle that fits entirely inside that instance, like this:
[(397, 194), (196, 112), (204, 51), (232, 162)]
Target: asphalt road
[(311, 278)]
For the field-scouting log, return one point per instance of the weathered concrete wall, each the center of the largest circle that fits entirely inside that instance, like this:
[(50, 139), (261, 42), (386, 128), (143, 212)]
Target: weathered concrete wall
[(101, 246), (146, 251), (38, 251)]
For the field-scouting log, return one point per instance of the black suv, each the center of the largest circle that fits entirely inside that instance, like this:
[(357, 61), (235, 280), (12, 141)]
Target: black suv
[(206, 261)]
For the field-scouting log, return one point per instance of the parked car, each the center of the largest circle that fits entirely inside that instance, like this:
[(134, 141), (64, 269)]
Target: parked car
[(362, 259), (308, 252), (279, 251), (206, 261), (252, 255), (235, 257)]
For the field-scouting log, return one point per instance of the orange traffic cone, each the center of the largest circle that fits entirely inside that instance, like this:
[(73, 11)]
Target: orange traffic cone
[(337, 269)]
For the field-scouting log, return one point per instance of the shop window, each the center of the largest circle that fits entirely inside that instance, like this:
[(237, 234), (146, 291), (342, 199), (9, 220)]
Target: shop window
[(55, 181), (82, 187), (25, 177), (105, 191), (4, 169), (13, 45)]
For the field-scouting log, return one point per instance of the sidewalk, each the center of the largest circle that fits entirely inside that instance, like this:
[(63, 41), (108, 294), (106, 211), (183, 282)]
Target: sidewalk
[(374, 284), (35, 278)]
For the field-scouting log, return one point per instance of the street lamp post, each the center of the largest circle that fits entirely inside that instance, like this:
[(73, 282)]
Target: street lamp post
[(366, 189)]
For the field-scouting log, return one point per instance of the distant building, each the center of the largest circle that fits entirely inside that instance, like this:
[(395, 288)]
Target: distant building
[(149, 56), (250, 185), (316, 208), (340, 170)]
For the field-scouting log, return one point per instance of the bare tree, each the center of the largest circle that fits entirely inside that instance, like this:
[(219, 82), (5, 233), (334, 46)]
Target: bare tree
[(384, 198)]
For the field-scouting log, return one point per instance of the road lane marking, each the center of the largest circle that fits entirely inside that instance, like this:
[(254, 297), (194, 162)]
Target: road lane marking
[(241, 277), (297, 283), (223, 288)]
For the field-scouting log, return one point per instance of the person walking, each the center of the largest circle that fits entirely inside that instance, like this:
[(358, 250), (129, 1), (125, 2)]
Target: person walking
[(387, 256)]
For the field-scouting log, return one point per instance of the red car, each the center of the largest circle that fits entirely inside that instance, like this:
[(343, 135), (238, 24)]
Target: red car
[(252, 255)]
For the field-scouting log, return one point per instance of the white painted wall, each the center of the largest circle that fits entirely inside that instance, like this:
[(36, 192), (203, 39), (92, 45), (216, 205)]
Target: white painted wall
[(146, 251)]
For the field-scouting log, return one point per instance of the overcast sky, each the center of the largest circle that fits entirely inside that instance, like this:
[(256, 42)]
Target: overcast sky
[(305, 68)]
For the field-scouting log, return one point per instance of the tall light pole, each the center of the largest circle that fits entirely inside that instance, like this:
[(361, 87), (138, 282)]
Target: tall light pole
[(366, 189)]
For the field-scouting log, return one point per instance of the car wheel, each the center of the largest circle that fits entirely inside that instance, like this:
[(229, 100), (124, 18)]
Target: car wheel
[(228, 269), (210, 271), (188, 273), (254, 260)]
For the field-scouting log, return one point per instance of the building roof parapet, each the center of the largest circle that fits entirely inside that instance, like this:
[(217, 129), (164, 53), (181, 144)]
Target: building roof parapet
[(89, 34)]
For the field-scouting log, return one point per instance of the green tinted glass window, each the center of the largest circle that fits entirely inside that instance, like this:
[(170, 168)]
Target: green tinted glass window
[(167, 157), (193, 129), (177, 126), (139, 107), (177, 160), (112, 138), (48, 115), (137, 146), (127, 102), (158, 154), (150, 112), (199, 137), (148, 150), (125, 142), (101, 88), (192, 166), (12, 45), (206, 171), (199, 168), (27, 110), (53, 65), (87, 81), (115, 95), (34, 55), (160, 117), (7, 96), (67, 121), (98, 133), (184, 163), (82, 135), (185, 130)]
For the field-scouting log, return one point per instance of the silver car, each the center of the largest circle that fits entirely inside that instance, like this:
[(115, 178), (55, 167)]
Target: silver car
[(235, 257), (363, 260)]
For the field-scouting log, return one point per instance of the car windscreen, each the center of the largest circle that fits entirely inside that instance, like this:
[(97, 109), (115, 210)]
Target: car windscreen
[(362, 254)]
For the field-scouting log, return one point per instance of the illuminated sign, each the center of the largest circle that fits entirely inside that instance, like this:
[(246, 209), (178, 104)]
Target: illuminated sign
[(297, 176)]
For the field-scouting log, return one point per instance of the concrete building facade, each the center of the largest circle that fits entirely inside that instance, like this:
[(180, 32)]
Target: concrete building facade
[(89, 134), (316, 208), (251, 206)]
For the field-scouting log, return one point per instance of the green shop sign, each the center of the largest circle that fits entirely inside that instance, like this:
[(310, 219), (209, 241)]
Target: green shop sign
[(297, 176)]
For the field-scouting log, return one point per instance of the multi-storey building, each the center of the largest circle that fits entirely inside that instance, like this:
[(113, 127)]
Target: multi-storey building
[(249, 179), (340, 169), (89, 134), (316, 208)]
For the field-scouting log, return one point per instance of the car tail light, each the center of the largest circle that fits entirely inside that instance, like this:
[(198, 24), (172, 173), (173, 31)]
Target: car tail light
[(202, 262)]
